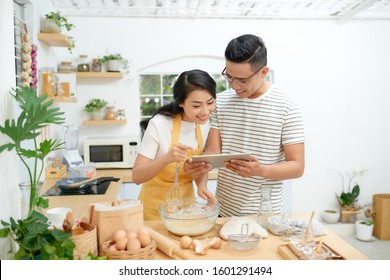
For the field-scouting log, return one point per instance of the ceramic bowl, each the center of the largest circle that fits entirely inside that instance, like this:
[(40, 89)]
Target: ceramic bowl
[(330, 216), (192, 218), (243, 242)]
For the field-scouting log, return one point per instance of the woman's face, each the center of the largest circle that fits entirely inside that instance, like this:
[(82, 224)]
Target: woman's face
[(198, 106)]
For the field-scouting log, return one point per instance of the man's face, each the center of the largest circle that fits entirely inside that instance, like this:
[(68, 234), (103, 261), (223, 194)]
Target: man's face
[(247, 83)]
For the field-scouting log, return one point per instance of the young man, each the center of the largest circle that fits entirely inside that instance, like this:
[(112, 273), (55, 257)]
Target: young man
[(253, 117)]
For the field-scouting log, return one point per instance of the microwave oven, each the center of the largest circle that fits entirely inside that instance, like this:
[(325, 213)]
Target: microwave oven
[(111, 152)]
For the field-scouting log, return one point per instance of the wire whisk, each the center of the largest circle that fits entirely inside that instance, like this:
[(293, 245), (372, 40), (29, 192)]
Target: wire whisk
[(174, 194)]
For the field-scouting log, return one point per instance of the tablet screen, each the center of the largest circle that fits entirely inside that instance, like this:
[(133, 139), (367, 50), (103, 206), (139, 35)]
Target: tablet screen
[(218, 160)]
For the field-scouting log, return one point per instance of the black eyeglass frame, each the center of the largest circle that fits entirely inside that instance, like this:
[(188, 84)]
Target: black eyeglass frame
[(241, 81)]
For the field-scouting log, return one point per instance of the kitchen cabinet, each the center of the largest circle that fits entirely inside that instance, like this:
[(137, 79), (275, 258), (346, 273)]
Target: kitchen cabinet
[(55, 40)]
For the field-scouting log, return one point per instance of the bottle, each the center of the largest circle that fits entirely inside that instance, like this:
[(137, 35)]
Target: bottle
[(121, 114), (46, 75), (83, 65), (265, 207), (96, 65)]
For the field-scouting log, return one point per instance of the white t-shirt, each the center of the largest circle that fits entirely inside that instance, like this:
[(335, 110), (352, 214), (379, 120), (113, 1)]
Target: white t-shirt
[(158, 136), (260, 126)]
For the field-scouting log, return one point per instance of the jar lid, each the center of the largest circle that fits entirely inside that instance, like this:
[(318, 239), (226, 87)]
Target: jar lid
[(66, 62), (83, 55)]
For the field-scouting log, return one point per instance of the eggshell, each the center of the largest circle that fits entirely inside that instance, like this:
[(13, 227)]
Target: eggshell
[(144, 239), (131, 234), (216, 243), (133, 245), (119, 234), (121, 243), (143, 230), (185, 242)]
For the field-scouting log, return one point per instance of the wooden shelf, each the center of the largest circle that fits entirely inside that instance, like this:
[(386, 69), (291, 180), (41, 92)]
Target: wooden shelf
[(55, 40), (112, 75), (63, 99), (104, 122)]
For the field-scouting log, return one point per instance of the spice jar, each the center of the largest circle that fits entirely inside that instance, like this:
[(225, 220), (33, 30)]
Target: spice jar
[(96, 65), (110, 113), (46, 76), (83, 65), (121, 114)]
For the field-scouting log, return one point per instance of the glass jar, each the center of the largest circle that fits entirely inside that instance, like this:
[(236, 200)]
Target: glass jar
[(83, 65), (29, 197), (110, 113), (46, 74), (65, 67), (265, 207), (96, 65), (121, 114)]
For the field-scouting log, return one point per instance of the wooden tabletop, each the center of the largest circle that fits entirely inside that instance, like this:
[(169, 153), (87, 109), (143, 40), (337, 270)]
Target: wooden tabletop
[(267, 249)]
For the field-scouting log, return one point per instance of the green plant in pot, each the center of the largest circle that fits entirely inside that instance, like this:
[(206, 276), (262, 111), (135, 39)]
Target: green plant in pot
[(349, 195), (114, 62), (94, 108), (32, 233), (54, 22)]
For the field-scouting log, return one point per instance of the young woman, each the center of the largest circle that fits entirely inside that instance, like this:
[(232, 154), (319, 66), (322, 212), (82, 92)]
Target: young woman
[(175, 132)]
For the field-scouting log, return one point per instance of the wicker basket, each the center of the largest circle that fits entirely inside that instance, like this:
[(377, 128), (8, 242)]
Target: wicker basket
[(146, 253), (85, 243)]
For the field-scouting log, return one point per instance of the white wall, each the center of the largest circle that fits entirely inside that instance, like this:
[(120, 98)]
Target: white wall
[(336, 72)]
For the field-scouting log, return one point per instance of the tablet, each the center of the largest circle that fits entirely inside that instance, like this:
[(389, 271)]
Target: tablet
[(218, 160)]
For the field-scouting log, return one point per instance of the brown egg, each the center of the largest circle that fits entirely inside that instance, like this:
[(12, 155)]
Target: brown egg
[(185, 242), (131, 234), (112, 248), (216, 243), (119, 234), (144, 239), (143, 230), (133, 245), (121, 243)]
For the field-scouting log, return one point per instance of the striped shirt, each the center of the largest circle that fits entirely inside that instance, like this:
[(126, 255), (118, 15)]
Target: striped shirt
[(259, 126)]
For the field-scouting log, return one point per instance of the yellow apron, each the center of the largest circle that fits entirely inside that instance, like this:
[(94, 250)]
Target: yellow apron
[(154, 192)]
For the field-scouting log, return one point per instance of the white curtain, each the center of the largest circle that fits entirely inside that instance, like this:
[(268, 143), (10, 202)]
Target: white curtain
[(9, 164)]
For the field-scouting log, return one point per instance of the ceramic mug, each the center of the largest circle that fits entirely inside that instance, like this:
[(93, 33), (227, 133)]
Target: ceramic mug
[(57, 216)]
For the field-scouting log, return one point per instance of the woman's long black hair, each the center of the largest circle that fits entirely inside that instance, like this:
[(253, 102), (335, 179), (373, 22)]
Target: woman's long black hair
[(186, 83)]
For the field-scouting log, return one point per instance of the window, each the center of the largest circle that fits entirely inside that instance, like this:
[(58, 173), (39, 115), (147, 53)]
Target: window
[(156, 90)]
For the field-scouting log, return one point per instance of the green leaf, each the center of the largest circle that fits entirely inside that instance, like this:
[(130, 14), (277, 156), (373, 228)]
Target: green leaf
[(355, 191), (4, 232)]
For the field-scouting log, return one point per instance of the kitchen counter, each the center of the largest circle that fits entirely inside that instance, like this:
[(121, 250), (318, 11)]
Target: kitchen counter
[(267, 248)]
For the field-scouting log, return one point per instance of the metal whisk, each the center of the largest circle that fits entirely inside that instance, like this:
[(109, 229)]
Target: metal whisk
[(174, 195)]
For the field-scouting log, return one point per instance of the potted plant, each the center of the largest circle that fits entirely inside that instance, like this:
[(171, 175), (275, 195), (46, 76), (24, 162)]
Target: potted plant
[(349, 196), (31, 233), (54, 22), (94, 108), (114, 62)]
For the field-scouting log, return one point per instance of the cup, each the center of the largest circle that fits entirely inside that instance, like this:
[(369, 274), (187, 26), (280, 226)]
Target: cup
[(57, 216)]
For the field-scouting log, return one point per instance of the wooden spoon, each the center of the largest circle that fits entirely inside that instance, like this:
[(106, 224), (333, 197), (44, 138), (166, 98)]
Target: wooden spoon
[(306, 236)]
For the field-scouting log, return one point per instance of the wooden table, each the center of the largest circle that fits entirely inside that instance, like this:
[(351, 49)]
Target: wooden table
[(267, 249)]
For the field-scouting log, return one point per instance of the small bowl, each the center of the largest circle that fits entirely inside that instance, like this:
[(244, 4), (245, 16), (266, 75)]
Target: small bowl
[(330, 216), (192, 218), (243, 242)]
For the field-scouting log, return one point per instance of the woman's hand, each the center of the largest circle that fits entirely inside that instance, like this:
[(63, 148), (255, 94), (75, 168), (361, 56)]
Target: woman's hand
[(178, 153)]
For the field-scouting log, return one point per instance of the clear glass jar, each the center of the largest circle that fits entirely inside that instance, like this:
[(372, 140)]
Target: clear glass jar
[(29, 197), (110, 113), (83, 64), (265, 208), (96, 65), (46, 74), (121, 114)]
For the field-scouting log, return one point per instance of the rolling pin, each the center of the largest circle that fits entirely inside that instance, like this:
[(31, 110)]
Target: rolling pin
[(167, 246)]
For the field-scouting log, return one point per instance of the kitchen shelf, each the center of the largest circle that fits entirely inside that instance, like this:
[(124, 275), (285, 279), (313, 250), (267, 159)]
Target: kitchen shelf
[(55, 40), (63, 99), (104, 122), (112, 75)]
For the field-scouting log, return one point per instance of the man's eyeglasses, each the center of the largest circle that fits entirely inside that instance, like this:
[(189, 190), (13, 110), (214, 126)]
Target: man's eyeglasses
[(241, 81)]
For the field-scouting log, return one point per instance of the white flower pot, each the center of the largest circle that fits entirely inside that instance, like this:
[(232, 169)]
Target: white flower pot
[(330, 216), (95, 115), (363, 231), (113, 65), (48, 25)]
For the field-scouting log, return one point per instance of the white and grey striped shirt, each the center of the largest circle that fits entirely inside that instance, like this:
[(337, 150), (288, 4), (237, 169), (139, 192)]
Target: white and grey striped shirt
[(260, 126)]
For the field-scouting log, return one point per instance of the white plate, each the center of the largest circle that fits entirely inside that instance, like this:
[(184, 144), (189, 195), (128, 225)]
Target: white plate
[(369, 240)]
